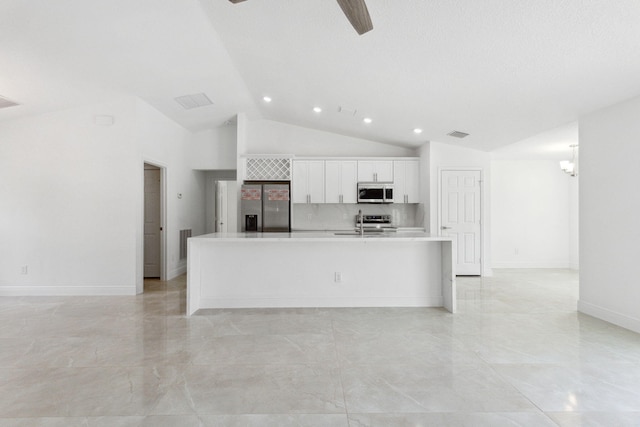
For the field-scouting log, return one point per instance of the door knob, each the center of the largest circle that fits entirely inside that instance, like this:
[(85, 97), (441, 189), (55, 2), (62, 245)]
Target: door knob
[(445, 228)]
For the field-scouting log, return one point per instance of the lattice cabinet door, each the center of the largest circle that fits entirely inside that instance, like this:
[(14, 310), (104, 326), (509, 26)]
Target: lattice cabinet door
[(268, 169)]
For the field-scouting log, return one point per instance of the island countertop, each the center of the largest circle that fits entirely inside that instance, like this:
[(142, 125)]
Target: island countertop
[(320, 269), (326, 236)]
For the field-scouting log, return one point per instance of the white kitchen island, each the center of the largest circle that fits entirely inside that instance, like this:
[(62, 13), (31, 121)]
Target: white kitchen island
[(320, 269)]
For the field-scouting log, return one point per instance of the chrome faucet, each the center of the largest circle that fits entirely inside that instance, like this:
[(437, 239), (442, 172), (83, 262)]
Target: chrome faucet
[(361, 222)]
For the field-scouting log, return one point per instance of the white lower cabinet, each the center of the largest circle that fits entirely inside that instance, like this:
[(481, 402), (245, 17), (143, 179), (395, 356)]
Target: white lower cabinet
[(308, 181), (341, 180), (406, 181)]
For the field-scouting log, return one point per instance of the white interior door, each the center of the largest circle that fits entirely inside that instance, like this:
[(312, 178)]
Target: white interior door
[(152, 222), (221, 207), (460, 217), (226, 207)]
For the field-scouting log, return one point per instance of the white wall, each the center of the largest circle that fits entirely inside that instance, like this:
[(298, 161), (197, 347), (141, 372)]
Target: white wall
[(165, 143), (68, 202), (609, 206), (531, 214), (442, 156), (270, 137), (423, 212), (72, 198), (214, 149), (574, 224)]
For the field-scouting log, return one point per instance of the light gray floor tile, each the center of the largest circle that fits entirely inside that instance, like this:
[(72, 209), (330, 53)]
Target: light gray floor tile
[(485, 419), (517, 347), (425, 388), (281, 349), (52, 422), (73, 392), (596, 419), (388, 349), (267, 420), (582, 388)]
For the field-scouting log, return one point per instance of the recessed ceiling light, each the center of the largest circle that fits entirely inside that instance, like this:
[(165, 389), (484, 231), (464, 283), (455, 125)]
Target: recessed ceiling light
[(417, 130), (317, 109), (367, 120), (266, 98)]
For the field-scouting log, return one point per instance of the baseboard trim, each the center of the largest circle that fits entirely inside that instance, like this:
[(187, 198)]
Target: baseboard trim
[(320, 302), (487, 272), (607, 315), (40, 291), (177, 272), (531, 265)]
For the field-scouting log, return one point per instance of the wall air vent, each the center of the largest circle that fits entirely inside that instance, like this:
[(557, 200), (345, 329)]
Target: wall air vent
[(193, 101), (184, 237), (457, 134), (5, 103)]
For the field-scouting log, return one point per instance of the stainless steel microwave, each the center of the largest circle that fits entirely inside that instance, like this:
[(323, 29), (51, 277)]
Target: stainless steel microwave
[(375, 192)]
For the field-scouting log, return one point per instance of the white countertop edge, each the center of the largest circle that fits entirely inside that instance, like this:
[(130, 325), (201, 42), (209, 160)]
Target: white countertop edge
[(321, 236)]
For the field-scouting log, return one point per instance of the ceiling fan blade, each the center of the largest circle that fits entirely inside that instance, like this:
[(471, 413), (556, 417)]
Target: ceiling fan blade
[(236, 1), (358, 14)]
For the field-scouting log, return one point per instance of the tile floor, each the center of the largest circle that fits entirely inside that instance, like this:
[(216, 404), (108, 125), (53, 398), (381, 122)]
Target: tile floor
[(516, 354)]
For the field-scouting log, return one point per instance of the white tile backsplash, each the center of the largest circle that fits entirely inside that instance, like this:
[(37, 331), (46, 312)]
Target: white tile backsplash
[(330, 216)]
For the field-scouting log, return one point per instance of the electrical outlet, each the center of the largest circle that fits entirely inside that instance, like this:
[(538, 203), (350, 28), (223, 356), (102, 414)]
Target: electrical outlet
[(516, 251), (309, 217), (337, 277), (24, 269)]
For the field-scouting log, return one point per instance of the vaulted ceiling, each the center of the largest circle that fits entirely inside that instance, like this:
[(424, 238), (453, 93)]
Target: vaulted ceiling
[(499, 70)]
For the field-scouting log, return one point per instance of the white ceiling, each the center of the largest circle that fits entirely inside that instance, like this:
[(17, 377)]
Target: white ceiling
[(554, 144), (500, 70)]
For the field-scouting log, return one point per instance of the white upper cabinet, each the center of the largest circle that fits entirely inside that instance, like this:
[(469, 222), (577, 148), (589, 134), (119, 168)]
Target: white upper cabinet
[(308, 181), (341, 179), (406, 181), (375, 170), (335, 180)]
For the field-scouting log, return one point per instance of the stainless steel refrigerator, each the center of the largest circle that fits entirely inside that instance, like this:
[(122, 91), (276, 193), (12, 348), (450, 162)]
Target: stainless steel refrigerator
[(265, 207)]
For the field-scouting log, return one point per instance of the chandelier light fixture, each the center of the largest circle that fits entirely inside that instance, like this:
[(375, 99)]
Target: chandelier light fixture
[(571, 166)]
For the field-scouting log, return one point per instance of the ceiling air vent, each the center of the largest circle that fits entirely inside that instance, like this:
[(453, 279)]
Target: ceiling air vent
[(4, 103), (349, 111), (193, 101), (457, 134)]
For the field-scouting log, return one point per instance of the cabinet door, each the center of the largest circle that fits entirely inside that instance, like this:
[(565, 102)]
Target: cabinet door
[(341, 181), (406, 181), (375, 170), (300, 182), (412, 181), (366, 170), (399, 181), (349, 178), (333, 181), (315, 181), (384, 170)]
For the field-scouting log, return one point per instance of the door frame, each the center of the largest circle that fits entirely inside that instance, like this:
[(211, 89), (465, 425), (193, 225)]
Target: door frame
[(482, 205), (163, 225)]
